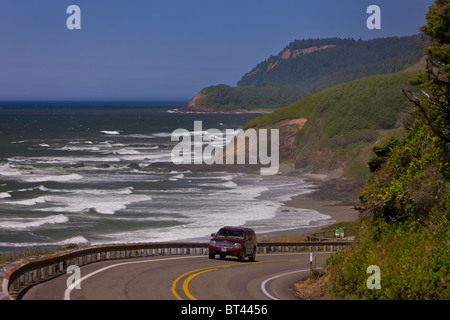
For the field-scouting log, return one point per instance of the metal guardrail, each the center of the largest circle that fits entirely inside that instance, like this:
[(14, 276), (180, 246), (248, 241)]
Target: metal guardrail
[(330, 235), (34, 271)]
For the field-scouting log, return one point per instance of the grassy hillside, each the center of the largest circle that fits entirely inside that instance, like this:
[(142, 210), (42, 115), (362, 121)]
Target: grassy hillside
[(343, 123)]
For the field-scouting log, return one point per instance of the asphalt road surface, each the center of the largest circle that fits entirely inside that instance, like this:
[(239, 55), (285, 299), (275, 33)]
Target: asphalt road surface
[(270, 277)]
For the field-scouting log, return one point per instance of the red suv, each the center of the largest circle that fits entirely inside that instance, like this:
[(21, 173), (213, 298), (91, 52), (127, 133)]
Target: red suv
[(233, 241)]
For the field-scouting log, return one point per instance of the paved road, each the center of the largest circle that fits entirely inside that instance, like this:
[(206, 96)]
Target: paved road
[(183, 278)]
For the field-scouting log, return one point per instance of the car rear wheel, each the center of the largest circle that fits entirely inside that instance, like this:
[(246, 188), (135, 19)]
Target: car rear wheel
[(253, 256), (212, 255)]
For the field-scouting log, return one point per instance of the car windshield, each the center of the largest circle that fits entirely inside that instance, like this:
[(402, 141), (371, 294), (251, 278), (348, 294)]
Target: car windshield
[(226, 233)]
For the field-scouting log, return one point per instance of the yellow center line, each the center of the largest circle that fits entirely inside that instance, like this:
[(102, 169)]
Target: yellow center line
[(174, 284), (188, 279), (193, 273)]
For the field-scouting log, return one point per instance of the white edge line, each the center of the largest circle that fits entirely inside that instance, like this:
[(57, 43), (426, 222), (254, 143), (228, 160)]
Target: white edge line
[(264, 283), (78, 282)]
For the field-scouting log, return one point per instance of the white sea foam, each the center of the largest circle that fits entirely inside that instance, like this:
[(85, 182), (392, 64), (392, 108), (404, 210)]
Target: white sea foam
[(71, 148), (79, 240), (41, 187), (126, 151), (74, 240), (31, 223), (161, 135), (28, 173), (209, 211), (55, 178), (4, 195), (141, 136), (50, 160), (6, 170), (192, 205), (229, 184), (99, 192), (226, 177), (102, 203), (110, 132), (28, 202), (26, 189)]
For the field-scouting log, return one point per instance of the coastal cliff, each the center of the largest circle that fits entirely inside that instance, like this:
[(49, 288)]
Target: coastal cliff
[(195, 104), (333, 131), (305, 67)]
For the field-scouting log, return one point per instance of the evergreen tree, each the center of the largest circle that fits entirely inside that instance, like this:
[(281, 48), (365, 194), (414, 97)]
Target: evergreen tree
[(431, 94)]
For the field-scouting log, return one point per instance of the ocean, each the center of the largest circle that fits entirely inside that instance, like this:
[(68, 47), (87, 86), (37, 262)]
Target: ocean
[(76, 173)]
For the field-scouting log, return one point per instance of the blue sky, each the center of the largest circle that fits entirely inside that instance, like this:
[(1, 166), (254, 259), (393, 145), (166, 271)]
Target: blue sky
[(168, 49)]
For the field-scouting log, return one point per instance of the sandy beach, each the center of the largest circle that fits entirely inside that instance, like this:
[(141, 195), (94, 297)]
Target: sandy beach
[(338, 210)]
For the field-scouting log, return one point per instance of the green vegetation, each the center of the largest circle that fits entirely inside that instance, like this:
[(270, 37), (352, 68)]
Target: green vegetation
[(370, 103), (339, 60), (344, 122), (405, 206), (304, 237), (405, 211), (261, 96), (381, 153)]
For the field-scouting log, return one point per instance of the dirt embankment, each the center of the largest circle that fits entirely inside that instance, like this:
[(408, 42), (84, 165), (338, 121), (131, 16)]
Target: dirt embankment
[(194, 105)]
